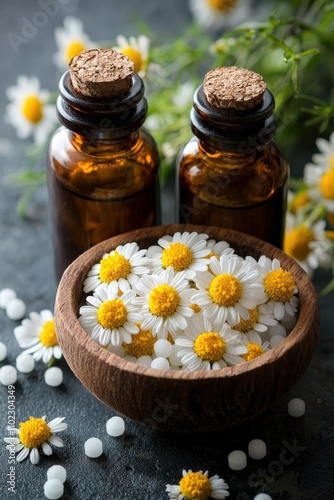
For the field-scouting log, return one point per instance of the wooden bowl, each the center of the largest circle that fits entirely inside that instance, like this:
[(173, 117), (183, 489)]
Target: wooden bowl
[(180, 401)]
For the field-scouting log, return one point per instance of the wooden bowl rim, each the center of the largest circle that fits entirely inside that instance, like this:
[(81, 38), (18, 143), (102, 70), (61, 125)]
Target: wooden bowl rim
[(86, 260)]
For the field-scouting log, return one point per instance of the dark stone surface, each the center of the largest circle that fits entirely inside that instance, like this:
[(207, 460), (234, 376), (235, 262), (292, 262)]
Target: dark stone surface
[(138, 465)]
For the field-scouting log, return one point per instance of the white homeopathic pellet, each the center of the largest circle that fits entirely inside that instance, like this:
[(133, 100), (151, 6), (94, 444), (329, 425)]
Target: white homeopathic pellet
[(275, 340), (3, 351), (237, 460), (262, 496), (53, 489), (57, 472), (296, 407), (115, 426), (25, 363), (53, 376), (8, 375), (160, 363), (257, 449), (16, 309), (6, 295), (162, 348), (93, 447)]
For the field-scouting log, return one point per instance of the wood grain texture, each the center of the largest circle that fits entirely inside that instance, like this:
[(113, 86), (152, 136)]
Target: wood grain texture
[(179, 401)]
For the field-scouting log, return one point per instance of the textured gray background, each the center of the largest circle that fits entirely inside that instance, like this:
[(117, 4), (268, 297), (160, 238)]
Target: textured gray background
[(138, 465)]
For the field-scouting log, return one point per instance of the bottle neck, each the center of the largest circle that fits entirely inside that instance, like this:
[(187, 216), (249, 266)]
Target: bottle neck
[(109, 119), (237, 131)]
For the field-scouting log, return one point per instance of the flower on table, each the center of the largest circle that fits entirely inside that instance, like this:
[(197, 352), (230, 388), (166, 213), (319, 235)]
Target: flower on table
[(137, 49), (228, 290), (109, 317), (215, 14), (29, 111), (70, 40), (34, 434), (208, 346), (319, 175), (126, 264), (182, 251), (164, 301), (198, 486), (37, 335)]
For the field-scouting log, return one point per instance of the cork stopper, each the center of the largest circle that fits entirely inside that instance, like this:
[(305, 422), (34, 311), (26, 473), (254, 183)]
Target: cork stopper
[(234, 88), (101, 73)]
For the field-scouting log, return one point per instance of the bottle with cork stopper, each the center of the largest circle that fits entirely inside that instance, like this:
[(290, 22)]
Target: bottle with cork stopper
[(230, 173), (103, 166)]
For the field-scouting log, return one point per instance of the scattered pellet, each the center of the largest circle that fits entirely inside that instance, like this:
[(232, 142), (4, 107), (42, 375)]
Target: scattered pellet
[(115, 426), (93, 447), (15, 309), (53, 376), (257, 449), (8, 375), (53, 489), (237, 460), (296, 407), (25, 363)]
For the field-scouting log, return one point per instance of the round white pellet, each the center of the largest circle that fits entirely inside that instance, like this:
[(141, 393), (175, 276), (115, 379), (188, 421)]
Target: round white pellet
[(53, 489), (289, 321), (93, 447), (160, 364), (277, 330), (25, 363), (275, 340), (115, 426), (262, 496), (144, 361), (57, 472), (257, 449), (3, 351), (237, 460), (53, 376), (8, 375), (6, 295), (16, 309), (296, 407), (162, 348), (173, 358)]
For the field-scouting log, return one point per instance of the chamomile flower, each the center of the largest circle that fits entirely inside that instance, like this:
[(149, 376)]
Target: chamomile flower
[(137, 49), (219, 248), (207, 346), (198, 486), (228, 290), (125, 264), (258, 321), (70, 40), (33, 434), (297, 243), (108, 317), (164, 301), (183, 252), (29, 111), (319, 175), (142, 344), (255, 346), (38, 334), (215, 14), (280, 288)]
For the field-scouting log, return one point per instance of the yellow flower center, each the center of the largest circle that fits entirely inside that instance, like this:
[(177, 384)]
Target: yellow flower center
[(73, 49), (209, 346), (327, 184), (254, 350), (112, 314), (142, 344), (245, 325), (330, 218), (222, 6), (225, 290), (212, 254), (48, 335), (279, 285), (195, 486), (32, 109), (135, 57), (34, 432), (330, 235), (114, 267), (163, 300), (296, 242), (195, 308), (178, 256), (299, 201)]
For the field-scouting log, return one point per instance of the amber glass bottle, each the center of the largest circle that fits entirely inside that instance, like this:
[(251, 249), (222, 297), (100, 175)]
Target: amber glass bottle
[(102, 170), (231, 174)]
